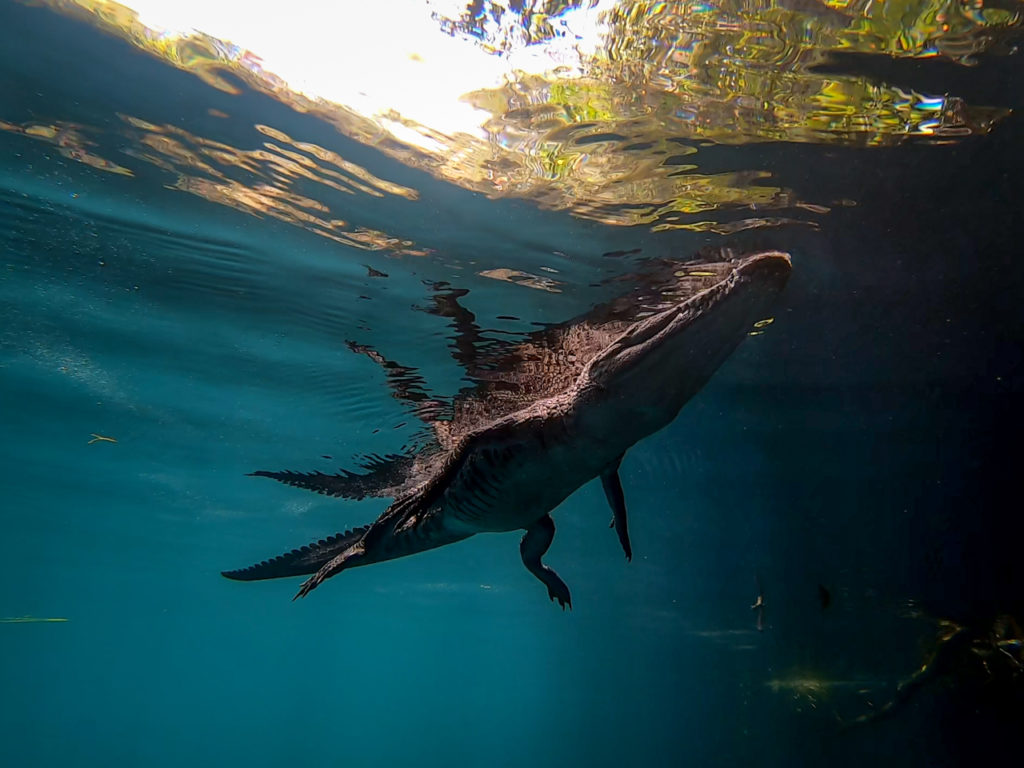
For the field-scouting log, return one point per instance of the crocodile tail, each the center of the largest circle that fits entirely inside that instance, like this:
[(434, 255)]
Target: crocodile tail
[(385, 477), (302, 561)]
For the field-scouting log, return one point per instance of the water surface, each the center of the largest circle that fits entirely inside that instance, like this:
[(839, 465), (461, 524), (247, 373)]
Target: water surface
[(183, 263)]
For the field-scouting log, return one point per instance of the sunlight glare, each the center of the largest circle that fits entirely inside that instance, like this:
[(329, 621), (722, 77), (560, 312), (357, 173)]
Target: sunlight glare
[(374, 58)]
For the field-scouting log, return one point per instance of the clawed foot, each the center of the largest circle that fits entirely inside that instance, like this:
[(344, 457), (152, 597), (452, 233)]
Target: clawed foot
[(533, 546), (560, 592), (563, 600), (331, 568), (309, 585), (624, 540)]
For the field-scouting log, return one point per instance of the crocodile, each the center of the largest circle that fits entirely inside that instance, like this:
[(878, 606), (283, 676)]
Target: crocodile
[(544, 416)]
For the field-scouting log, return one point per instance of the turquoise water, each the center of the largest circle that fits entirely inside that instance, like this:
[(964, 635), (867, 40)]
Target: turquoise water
[(867, 442)]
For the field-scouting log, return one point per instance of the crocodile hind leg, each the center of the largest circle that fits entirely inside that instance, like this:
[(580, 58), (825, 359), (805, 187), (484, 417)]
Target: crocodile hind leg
[(347, 559), (532, 548)]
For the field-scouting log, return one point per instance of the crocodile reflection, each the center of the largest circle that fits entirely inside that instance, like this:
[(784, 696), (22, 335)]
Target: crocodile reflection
[(545, 416), (987, 657)]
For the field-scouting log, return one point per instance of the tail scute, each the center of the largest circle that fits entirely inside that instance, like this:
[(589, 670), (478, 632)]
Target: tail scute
[(385, 476), (302, 561)]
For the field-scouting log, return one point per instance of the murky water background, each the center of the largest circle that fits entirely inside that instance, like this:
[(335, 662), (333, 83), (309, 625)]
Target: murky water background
[(184, 258)]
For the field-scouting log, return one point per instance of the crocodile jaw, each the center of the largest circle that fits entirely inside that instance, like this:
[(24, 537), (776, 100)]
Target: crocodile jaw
[(641, 381), (532, 460)]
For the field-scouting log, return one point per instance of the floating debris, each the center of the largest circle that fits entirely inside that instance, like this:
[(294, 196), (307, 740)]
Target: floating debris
[(523, 278), (32, 620), (813, 207), (101, 439), (759, 605)]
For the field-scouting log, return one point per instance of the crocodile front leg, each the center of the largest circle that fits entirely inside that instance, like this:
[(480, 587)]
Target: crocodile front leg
[(533, 546), (617, 501)]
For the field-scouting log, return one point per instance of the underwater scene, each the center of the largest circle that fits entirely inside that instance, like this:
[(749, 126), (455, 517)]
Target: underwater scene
[(521, 382)]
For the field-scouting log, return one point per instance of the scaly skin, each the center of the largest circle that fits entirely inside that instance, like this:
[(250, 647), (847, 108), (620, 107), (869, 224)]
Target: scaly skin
[(546, 417)]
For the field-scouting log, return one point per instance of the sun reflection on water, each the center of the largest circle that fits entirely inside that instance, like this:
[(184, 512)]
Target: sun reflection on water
[(607, 110)]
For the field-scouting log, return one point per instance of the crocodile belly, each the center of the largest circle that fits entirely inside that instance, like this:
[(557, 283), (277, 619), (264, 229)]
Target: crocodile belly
[(509, 484)]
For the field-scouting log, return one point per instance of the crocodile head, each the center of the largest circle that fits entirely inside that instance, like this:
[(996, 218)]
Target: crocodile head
[(649, 372)]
